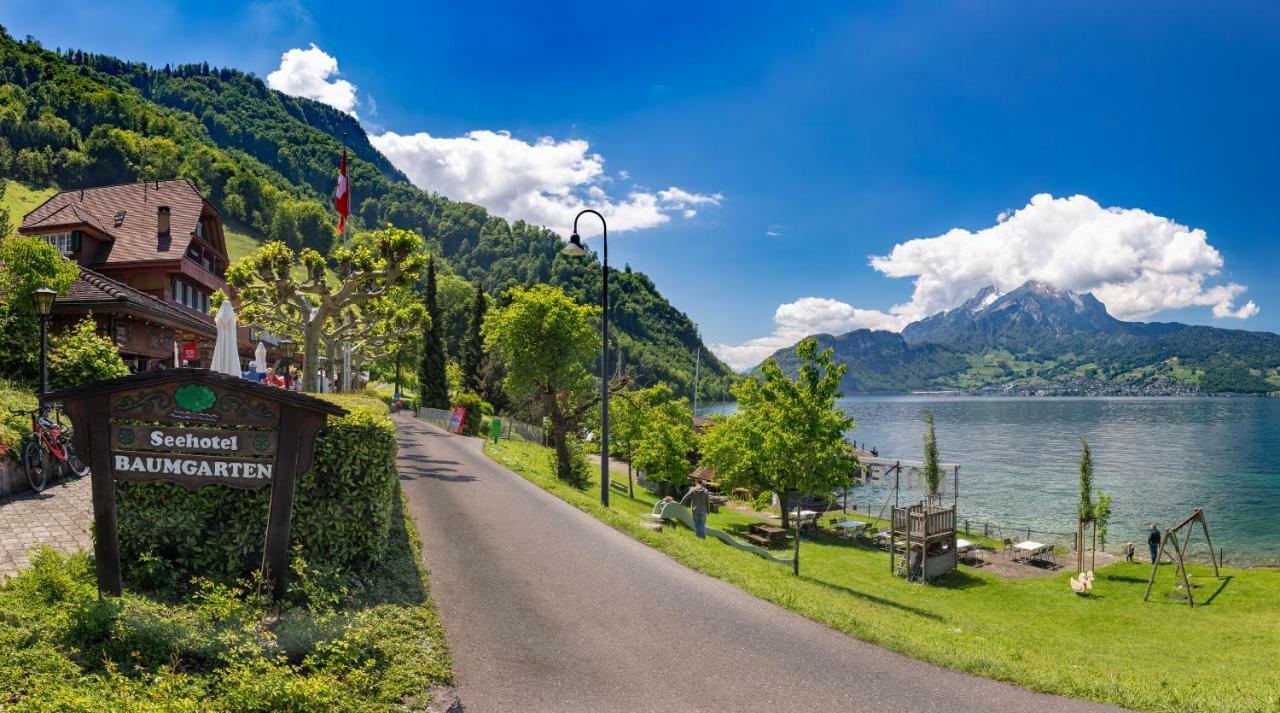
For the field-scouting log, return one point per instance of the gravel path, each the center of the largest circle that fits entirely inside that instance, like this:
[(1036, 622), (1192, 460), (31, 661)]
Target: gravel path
[(548, 609)]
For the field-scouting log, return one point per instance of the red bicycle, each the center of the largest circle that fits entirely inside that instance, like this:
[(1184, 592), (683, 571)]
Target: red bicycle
[(48, 447)]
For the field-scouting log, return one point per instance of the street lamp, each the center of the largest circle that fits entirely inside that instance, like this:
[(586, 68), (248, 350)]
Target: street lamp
[(286, 356), (44, 298), (575, 248)]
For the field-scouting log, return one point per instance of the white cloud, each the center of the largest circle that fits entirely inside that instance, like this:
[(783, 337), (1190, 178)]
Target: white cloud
[(1137, 263), (545, 182), (311, 73), (806, 316)]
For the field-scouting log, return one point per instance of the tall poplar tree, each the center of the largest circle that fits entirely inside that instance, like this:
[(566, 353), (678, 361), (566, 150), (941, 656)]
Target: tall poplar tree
[(431, 371), (473, 350), (932, 471)]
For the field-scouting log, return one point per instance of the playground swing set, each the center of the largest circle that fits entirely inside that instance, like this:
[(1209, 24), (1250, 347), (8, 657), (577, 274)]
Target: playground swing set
[(1179, 536)]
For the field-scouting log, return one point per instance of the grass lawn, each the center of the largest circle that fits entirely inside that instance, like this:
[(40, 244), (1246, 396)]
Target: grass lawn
[(374, 645), (1109, 647), (20, 198)]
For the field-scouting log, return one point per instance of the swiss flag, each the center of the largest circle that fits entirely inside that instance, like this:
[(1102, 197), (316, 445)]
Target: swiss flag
[(342, 196)]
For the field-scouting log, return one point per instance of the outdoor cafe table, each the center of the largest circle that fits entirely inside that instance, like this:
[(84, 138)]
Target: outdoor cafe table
[(851, 524), (1030, 548)]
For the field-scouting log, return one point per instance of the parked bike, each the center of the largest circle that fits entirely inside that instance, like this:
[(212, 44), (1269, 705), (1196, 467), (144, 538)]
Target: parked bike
[(48, 447)]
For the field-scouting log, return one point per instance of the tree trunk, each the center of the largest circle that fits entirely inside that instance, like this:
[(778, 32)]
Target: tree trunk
[(782, 501), (311, 357), (559, 439)]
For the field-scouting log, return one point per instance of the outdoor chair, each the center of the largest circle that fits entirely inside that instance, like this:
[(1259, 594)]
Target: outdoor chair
[(1008, 546)]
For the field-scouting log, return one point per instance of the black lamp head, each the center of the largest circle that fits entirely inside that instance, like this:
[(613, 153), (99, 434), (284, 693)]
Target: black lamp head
[(44, 298), (574, 246)]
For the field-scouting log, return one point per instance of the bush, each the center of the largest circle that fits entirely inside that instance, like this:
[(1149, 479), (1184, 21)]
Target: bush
[(579, 467), (341, 511), (79, 356), (14, 427), (475, 411)]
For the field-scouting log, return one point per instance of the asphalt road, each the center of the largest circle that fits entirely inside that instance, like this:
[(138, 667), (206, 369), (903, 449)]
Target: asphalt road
[(548, 609)]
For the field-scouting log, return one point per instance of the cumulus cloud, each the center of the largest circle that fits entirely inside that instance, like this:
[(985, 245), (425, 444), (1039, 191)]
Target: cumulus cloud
[(796, 320), (312, 73), (545, 182), (1137, 263)]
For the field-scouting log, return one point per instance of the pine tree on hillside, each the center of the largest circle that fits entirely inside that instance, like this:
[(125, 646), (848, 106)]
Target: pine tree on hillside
[(473, 350), (431, 374)]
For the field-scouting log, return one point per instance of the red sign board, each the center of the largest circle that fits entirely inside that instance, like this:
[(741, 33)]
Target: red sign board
[(455, 421), (190, 351)]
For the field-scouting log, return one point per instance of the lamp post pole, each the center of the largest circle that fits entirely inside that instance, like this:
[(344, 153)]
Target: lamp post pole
[(44, 298), (575, 248)]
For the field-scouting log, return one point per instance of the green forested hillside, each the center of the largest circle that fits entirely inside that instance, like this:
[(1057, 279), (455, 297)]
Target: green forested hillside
[(269, 161)]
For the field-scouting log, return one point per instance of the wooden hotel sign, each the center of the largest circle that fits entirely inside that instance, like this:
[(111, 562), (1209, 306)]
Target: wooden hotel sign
[(193, 427)]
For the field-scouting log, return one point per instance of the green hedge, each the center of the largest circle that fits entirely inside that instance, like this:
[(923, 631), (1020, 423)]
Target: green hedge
[(341, 510)]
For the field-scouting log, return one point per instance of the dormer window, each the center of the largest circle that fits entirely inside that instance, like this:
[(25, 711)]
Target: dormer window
[(65, 243)]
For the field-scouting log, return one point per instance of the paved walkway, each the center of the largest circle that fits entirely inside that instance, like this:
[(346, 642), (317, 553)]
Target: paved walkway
[(59, 517), (548, 609)]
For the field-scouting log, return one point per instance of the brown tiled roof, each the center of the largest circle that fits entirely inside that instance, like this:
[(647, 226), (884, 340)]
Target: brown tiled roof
[(134, 239), (92, 289)]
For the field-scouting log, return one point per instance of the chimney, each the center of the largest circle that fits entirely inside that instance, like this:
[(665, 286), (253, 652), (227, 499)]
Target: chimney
[(162, 221)]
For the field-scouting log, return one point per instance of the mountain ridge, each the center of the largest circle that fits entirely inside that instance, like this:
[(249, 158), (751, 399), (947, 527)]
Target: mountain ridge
[(1039, 339)]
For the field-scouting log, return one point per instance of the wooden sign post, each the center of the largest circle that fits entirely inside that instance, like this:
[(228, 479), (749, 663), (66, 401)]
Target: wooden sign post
[(193, 427)]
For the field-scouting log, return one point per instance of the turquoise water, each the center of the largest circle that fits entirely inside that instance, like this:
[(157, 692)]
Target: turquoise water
[(1158, 457)]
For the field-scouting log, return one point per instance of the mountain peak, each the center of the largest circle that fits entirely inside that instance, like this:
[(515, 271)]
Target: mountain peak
[(1035, 311)]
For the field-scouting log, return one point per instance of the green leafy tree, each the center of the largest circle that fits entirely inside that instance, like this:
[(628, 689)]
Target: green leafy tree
[(473, 351), (1102, 517), (302, 224), (274, 297), (1085, 508), (546, 340), (788, 435), (659, 434), (79, 355), (932, 471), (6, 222), (432, 379), (26, 263)]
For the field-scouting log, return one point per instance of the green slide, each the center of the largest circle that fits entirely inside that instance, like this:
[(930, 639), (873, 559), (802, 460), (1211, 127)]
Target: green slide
[(675, 511)]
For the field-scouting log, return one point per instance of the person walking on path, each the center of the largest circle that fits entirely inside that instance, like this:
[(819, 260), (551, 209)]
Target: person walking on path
[(1153, 542), (698, 499)]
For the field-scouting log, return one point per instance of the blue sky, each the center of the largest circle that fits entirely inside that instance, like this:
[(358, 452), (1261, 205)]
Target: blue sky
[(804, 141)]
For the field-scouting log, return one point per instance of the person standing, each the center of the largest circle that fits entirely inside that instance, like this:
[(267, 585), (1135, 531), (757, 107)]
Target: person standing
[(698, 499), (1153, 542)]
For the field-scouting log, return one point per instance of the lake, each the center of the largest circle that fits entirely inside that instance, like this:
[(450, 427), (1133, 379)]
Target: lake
[(1158, 458)]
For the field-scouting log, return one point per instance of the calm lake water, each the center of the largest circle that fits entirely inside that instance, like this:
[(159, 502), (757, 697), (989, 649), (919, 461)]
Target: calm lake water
[(1158, 457)]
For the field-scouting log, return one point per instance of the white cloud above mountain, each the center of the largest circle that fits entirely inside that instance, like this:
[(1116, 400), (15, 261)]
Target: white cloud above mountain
[(313, 73), (545, 182), (796, 320), (1137, 263)]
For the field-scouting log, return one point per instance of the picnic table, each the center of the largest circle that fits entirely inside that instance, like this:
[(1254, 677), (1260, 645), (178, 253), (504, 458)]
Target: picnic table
[(1030, 549), (851, 525), (765, 535)]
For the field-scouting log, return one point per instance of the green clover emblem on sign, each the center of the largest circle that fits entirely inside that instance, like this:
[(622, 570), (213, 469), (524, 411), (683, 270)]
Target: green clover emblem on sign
[(194, 397), (261, 443), (125, 437)]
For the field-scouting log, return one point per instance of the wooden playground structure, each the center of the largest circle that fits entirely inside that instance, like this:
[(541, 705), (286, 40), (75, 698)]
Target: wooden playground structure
[(922, 536), (1171, 536)]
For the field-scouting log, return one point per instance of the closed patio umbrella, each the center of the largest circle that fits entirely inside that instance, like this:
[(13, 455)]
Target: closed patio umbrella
[(226, 358), (260, 358)]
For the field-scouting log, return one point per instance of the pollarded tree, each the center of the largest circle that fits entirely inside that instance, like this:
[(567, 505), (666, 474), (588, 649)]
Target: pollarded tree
[(274, 297), (546, 340), (432, 379), (789, 432)]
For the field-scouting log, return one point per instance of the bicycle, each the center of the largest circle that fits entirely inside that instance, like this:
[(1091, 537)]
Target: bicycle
[(49, 444)]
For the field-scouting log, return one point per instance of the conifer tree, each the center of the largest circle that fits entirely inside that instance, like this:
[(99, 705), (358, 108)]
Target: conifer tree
[(473, 350), (431, 373)]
